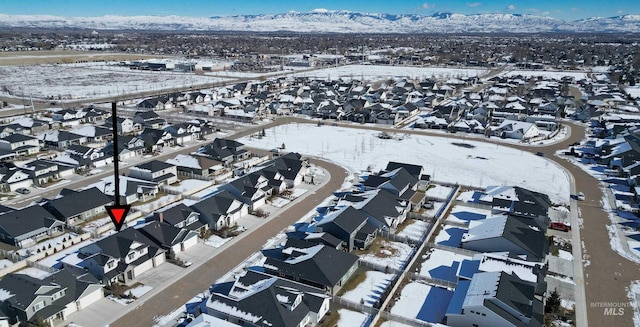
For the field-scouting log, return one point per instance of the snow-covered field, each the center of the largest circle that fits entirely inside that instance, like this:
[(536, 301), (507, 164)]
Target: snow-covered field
[(438, 191), (374, 73), (393, 254), (368, 292), (444, 161), (71, 81)]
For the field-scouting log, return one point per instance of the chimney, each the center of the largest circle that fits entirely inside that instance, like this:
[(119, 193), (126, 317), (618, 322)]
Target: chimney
[(161, 216)]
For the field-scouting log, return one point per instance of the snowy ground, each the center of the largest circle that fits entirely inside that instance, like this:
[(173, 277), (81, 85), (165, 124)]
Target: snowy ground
[(81, 82), (350, 318), (394, 254), (188, 186), (140, 290), (368, 292), (4, 263), (374, 73), (438, 191), (415, 229), (565, 255), (441, 264), (46, 244), (217, 241), (634, 294), (443, 160), (159, 203), (463, 214), (411, 299), (450, 236), (95, 224)]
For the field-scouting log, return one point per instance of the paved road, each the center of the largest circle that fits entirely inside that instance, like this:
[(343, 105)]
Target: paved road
[(201, 279)]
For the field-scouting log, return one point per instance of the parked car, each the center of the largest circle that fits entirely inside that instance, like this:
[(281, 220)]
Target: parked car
[(580, 196), (23, 190), (560, 226)]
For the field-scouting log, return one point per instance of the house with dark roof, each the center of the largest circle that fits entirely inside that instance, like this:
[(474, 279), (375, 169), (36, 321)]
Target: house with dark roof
[(155, 171), (518, 201), (220, 210), (495, 299), (517, 235), (225, 150), (181, 216), (25, 227), (384, 209), (61, 139), (26, 299), (149, 119), (13, 178), (288, 169), (168, 237), (84, 157), (311, 264), (44, 171), (121, 257), (258, 299), (350, 226), (252, 189), (74, 207), (19, 145), (156, 139), (128, 147)]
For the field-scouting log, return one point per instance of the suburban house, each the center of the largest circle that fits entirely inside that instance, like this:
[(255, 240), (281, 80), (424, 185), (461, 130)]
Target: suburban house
[(197, 166), (120, 257), (131, 189), (182, 216), (149, 119), (51, 299), (258, 299), (74, 207), (13, 178), (350, 226), (168, 237), (518, 201), (19, 145), (95, 134), (252, 189), (155, 171), (516, 235), (156, 139), (61, 139), (220, 210), (25, 227), (84, 157), (287, 169), (384, 209), (46, 171), (125, 126), (495, 299), (311, 264), (128, 147), (225, 150), (518, 130)]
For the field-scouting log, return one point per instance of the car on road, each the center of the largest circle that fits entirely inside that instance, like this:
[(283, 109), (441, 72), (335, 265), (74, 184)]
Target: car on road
[(580, 196), (560, 226), (575, 143), (540, 154), (23, 190)]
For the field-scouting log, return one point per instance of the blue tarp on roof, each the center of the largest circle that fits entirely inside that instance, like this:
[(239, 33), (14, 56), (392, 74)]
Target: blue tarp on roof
[(468, 268), (435, 305), (455, 304)]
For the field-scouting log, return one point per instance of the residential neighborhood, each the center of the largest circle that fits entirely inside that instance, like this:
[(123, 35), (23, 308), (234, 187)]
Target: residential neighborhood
[(348, 184)]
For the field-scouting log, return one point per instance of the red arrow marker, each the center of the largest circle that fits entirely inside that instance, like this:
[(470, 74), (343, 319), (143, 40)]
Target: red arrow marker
[(118, 213)]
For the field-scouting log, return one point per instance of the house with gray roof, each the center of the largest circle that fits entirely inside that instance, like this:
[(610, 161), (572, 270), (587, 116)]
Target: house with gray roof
[(517, 235), (25, 227), (74, 207), (168, 237), (121, 257), (19, 145), (181, 216), (258, 299), (315, 265), (350, 226), (495, 299), (155, 171), (54, 298), (220, 210), (225, 150)]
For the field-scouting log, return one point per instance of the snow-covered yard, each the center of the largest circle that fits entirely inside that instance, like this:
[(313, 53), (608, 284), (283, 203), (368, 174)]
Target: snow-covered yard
[(438, 191), (450, 236), (189, 186), (350, 318), (462, 214), (156, 204), (411, 299), (391, 254), (443, 160), (217, 241), (46, 244), (369, 290), (442, 264), (414, 229)]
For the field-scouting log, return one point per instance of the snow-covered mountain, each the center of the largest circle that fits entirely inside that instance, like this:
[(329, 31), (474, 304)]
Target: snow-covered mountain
[(322, 20)]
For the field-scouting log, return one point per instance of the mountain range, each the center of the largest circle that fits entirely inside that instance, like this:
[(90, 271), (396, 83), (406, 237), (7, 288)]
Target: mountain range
[(329, 21)]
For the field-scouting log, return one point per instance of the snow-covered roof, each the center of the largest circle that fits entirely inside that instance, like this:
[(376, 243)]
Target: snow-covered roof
[(482, 286), (485, 228)]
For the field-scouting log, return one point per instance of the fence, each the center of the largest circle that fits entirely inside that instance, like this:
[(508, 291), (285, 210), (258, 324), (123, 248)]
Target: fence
[(434, 281)]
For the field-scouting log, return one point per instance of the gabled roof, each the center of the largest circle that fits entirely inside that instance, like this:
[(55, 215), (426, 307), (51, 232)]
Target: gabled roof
[(154, 166), (349, 219), (215, 206), (27, 220), (17, 137), (319, 264), (163, 235), (176, 214), (73, 203), (264, 300), (414, 170)]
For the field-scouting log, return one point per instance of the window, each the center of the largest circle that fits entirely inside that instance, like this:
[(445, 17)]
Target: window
[(130, 256)]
